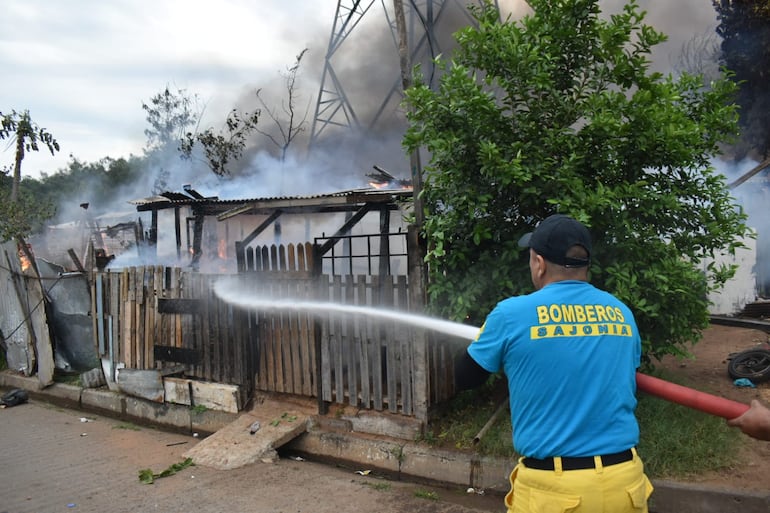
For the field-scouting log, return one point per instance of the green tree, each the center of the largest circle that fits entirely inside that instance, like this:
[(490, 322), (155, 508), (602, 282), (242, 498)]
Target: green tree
[(27, 213), (96, 183), (18, 216), (27, 136), (744, 26), (558, 112), (224, 147), (170, 114)]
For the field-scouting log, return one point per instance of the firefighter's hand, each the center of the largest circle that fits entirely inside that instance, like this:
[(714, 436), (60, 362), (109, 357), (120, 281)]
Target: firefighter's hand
[(755, 422)]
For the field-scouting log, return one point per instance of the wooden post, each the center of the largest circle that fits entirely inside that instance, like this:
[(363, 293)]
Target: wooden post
[(421, 380)]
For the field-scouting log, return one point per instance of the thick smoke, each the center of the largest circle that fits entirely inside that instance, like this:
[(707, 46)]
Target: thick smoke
[(367, 68)]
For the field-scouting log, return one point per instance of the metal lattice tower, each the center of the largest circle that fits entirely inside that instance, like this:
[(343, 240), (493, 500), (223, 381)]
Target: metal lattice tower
[(423, 20)]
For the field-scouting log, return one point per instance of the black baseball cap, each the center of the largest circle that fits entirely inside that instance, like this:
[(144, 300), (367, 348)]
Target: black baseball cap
[(553, 237)]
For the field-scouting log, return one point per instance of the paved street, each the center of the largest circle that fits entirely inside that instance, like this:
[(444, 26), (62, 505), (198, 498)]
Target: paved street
[(51, 461)]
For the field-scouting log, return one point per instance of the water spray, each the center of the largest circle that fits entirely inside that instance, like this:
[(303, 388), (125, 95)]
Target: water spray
[(233, 292)]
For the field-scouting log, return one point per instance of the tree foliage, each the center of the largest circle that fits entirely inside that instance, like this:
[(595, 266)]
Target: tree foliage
[(170, 115), (23, 216), (18, 215), (224, 147), (744, 26), (558, 112), (96, 183), (27, 136)]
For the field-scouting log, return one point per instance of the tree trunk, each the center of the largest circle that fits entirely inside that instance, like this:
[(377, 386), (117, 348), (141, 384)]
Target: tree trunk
[(17, 168)]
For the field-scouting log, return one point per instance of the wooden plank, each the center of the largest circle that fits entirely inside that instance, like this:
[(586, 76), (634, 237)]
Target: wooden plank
[(306, 346), (338, 350), (351, 342), (35, 310), (97, 307), (291, 255), (226, 343), (282, 264), (177, 293), (132, 309), (140, 317), (150, 306), (405, 337), (76, 260), (280, 337), (261, 350), (114, 316), (325, 363), (157, 294), (204, 344), (364, 340), (391, 345), (376, 350), (250, 259), (239, 340), (294, 334), (264, 259), (125, 315), (216, 349)]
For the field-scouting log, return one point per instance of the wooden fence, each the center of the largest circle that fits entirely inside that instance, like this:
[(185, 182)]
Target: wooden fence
[(161, 317), (155, 318)]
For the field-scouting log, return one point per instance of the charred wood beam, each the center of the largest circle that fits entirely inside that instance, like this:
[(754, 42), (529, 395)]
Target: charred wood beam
[(154, 228), (262, 227), (384, 242), (745, 177), (198, 219), (178, 233), (345, 228), (76, 260)]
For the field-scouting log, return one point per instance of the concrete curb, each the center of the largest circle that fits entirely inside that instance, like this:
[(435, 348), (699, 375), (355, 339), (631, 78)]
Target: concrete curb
[(334, 441), (174, 417)]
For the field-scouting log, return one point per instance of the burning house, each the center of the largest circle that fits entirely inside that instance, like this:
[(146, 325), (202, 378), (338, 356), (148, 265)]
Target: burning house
[(211, 235)]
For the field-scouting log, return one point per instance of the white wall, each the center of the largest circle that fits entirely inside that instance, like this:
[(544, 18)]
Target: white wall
[(742, 288)]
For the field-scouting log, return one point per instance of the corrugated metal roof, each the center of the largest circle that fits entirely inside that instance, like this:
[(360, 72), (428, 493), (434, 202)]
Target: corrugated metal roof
[(167, 200)]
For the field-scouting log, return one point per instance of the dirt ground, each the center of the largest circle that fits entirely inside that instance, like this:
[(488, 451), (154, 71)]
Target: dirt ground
[(707, 372)]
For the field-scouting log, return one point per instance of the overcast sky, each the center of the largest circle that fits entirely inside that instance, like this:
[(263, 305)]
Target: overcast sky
[(84, 67)]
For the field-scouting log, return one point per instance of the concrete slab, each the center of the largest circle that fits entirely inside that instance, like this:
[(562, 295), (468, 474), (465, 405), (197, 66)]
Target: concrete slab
[(215, 396), (253, 436)]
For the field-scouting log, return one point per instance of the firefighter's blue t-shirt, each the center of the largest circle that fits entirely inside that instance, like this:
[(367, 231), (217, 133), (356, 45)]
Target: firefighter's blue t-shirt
[(570, 353)]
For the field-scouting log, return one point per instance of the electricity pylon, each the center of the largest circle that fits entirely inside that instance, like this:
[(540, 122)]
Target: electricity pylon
[(425, 20)]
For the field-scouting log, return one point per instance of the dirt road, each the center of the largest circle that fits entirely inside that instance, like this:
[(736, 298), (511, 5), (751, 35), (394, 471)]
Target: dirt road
[(52, 461)]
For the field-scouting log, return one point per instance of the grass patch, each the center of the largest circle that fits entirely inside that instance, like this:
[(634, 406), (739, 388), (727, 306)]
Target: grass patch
[(380, 487), (66, 378), (425, 494), (198, 408), (459, 421), (675, 441)]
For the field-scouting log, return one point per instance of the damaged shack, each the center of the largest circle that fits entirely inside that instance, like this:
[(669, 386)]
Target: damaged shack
[(159, 331)]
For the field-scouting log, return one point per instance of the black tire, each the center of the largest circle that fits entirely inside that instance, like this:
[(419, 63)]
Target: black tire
[(752, 364)]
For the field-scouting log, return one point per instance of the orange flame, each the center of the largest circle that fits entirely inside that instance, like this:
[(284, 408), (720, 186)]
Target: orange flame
[(23, 260)]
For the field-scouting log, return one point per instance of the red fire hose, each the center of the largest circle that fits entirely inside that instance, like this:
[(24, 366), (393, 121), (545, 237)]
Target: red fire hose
[(690, 397)]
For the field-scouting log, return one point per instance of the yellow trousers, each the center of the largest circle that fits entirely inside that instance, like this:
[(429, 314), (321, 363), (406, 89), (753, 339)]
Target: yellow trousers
[(618, 488)]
